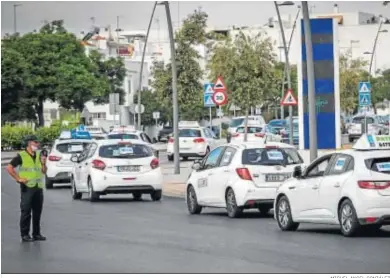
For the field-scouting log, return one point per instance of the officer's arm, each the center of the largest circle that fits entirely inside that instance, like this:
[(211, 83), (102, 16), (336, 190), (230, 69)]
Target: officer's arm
[(43, 161), (15, 162)]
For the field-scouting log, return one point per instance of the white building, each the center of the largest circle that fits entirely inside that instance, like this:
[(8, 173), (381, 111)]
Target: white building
[(357, 32)]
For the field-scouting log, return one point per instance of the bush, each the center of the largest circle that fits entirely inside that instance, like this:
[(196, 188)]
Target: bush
[(12, 136)]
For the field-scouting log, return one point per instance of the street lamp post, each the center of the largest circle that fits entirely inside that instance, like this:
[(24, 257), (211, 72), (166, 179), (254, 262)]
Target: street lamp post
[(288, 51), (310, 81), (287, 67), (374, 46), (142, 66), (176, 156), (15, 19)]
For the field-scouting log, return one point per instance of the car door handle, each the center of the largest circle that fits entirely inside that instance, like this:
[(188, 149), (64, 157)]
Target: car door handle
[(210, 174), (291, 187), (315, 187), (226, 171), (86, 163), (79, 166), (337, 185)]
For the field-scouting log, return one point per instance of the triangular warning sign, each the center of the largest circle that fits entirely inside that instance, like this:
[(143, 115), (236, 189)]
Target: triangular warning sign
[(209, 89), (219, 85), (209, 100), (364, 100), (364, 88), (289, 99)]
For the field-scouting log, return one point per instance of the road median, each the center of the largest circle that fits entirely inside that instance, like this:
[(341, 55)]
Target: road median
[(174, 189)]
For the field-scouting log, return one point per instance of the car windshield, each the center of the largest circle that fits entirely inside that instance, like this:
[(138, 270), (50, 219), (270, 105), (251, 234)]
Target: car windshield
[(236, 122), (360, 120), (277, 123), (126, 150), (250, 129), (74, 147), (189, 133), (381, 165), (123, 136), (271, 156)]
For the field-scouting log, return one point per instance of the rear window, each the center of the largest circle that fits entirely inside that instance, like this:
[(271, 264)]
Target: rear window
[(360, 120), (250, 129), (127, 151), (271, 156), (189, 133), (277, 123), (236, 122), (381, 165), (74, 147), (123, 136)]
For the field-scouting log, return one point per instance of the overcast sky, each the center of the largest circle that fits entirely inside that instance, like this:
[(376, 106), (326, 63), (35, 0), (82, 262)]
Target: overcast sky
[(135, 14)]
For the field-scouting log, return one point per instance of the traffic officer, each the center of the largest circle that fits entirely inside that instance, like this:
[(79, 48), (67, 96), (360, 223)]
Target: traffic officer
[(32, 166)]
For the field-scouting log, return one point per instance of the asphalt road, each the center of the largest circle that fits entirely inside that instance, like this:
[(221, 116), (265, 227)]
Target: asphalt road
[(123, 236)]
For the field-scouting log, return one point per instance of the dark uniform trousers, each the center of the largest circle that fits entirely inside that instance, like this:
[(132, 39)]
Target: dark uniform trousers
[(31, 201)]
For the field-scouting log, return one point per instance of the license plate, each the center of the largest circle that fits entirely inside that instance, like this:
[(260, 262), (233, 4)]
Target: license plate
[(132, 168), (276, 178)]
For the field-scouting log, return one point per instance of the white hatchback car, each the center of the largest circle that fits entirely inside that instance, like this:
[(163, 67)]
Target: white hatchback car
[(350, 188), (59, 165), (194, 141), (254, 133), (116, 167), (238, 177)]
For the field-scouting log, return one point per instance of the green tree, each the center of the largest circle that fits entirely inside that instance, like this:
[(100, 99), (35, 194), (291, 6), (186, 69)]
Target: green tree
[(152, 104), (352, 71), (189, 73), (250, 74), (111, 70), (380, 88)]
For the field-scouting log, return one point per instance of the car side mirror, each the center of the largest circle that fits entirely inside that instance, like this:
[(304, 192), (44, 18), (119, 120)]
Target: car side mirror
[(297, 173), (196, 166), (74, 158)]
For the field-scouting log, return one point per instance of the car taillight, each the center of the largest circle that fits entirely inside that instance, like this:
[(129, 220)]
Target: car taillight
[(54, 158), (235, 134), (98, 164), (199, 140), (259, 135), (155, 163), (171, 140), (244, 174), (374, 184)]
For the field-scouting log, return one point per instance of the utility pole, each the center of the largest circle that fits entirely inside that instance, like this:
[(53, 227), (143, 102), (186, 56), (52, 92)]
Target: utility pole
[(15, 19), (310, 81), (142, 67), (290, 109), (174, 92)]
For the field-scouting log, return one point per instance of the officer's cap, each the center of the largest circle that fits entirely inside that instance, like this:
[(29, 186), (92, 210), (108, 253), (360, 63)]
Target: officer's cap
[(30, 138)]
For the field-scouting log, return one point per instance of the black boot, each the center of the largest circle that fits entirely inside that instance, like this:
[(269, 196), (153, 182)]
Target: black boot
[(27, 238), (39, 237)]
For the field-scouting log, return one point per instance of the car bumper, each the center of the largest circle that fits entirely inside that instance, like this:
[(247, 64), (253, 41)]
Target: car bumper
[(251, 196), (372, 206), (199, 151), (59, 174), (104, 182)]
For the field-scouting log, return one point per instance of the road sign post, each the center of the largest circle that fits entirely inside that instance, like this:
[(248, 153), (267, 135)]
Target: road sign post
[(365, 100), (220, 98), (208, 98)]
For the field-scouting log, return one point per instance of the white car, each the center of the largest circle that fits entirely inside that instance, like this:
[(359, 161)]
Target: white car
[(255, 133), (129, 132), (374, 125), (116, 167), (59, 165), (238, 121), (238, 177), (350, 188), (194, 141)]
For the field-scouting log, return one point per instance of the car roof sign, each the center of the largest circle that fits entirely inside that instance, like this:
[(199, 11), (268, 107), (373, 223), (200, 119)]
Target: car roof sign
[(372, 142), (189, 124)]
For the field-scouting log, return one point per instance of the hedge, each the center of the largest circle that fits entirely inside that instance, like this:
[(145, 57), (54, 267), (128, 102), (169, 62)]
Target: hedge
[(12, 136)]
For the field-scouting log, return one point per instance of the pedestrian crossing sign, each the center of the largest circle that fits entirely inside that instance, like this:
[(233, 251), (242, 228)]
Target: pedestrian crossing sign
[(364, 99), (208, 95), (208, 100), (365, 87), (364, 93)]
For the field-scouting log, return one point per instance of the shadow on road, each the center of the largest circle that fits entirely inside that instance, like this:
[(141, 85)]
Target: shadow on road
[(244, 215), (364, 234), (121, 200)]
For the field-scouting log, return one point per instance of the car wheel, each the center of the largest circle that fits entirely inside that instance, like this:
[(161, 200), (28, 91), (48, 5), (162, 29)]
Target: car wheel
[(192, 201), (284, 216), (170, 157), (233, 210), (75, 195), (137, 196), (156, 195), (48, 183), (349, 223), (93, 196)]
